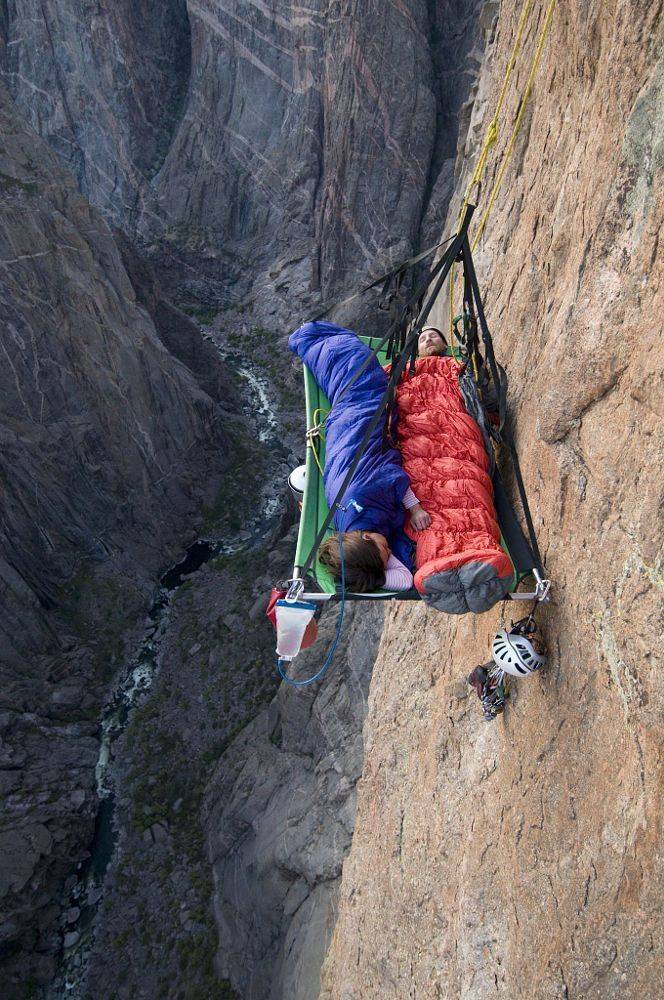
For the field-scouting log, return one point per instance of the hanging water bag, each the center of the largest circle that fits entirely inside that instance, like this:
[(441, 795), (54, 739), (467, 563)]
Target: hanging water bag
[(293, 618)]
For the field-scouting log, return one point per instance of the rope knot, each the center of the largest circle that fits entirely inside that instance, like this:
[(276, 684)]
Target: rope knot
[(492, 132)]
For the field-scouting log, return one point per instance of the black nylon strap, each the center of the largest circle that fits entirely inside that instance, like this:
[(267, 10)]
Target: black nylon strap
[(509, 441), (469, 268), (504, 424), (392, 333), (384, 277), (470, 326), (520, 551), (440, 270)]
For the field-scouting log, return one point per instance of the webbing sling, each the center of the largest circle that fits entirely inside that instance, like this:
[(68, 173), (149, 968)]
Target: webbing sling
[(505, 433), (384, 278), (443, 268), (399, 323)]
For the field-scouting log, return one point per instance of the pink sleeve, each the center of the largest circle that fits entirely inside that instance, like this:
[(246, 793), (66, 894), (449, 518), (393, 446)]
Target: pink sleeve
[(409, 499), (397, 576)]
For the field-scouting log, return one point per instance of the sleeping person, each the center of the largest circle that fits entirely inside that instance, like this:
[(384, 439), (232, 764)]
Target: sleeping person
[(441, 473), (460, 564)]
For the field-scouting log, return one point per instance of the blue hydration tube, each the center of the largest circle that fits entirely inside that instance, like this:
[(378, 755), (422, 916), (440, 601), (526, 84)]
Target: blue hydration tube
[(340, 621)]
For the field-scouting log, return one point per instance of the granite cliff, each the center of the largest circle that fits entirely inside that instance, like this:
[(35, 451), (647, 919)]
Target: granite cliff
[(244, 157), (262, 153), (523, 858), (248, 160), (109, 448)]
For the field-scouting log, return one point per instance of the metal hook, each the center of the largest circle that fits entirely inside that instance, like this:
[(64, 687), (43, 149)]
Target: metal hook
[(295, 588)]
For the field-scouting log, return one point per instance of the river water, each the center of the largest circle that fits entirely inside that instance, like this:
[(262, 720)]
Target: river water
[(84, 889)]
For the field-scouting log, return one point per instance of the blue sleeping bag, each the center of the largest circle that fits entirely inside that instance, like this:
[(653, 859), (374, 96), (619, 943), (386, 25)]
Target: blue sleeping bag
[(379, 483)]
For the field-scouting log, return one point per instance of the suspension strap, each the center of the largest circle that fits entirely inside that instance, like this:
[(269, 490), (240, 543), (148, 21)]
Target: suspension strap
[(473, 290), (392, 335), (397, 370), (491, 136), (381, 279), (517, 123), (505, 432), (397, 333), (470, 325)]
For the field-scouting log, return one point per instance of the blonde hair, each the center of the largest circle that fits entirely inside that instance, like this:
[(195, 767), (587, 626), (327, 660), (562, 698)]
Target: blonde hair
[(363, 563)]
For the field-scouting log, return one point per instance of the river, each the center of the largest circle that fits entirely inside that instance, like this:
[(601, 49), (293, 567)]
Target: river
[(83, 890)]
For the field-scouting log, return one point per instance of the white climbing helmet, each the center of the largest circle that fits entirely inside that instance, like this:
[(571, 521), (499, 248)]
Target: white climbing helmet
[(514, 653), (296, 481)]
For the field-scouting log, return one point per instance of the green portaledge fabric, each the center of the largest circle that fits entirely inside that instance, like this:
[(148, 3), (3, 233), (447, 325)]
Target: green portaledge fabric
[(314, 504)]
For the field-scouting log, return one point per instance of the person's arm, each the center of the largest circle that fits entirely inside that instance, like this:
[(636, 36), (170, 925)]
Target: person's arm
[(419, 518), (397, 576)]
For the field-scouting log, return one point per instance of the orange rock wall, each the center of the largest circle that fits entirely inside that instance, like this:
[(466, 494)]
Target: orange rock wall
[(522, 858)]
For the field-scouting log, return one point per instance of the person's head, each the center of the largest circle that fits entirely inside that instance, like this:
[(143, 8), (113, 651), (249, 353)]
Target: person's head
[(431, 343), (365, 558)]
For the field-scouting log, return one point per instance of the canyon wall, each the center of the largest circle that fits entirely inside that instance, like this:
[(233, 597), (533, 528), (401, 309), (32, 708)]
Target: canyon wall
[(522, 858), (109, 448), (266, 157), (280, 809), (263, 154), (242, 155)]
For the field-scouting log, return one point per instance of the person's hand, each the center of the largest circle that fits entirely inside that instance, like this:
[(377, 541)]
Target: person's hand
[(419, 519)]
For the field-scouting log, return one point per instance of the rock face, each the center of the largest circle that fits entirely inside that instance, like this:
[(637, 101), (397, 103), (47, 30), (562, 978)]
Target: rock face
[(213, 652), (105, 86), (523, 858), (105, 438), (86, 380), (155, 931), (257, 155), (267, 156), (280, 818), (262, 153)]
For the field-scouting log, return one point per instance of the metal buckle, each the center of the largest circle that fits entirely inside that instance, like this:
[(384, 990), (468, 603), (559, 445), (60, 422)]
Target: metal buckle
[(542, 587), (540, 593), (295, 588)]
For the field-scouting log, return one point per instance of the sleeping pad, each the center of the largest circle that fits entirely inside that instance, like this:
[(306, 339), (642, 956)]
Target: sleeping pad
[(379, 483), (461, 566)]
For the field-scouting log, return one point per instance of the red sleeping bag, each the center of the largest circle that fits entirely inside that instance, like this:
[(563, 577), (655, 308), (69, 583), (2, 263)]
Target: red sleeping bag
[(460, 564)]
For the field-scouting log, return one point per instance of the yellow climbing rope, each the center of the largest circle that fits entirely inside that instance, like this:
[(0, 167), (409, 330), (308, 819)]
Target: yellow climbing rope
[(315, 453), (517, 123), (316, 430), (492, 131), (493, 128)]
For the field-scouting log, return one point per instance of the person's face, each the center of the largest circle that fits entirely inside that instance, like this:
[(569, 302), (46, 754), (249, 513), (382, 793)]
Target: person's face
[(430, 343), (381, 542)]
